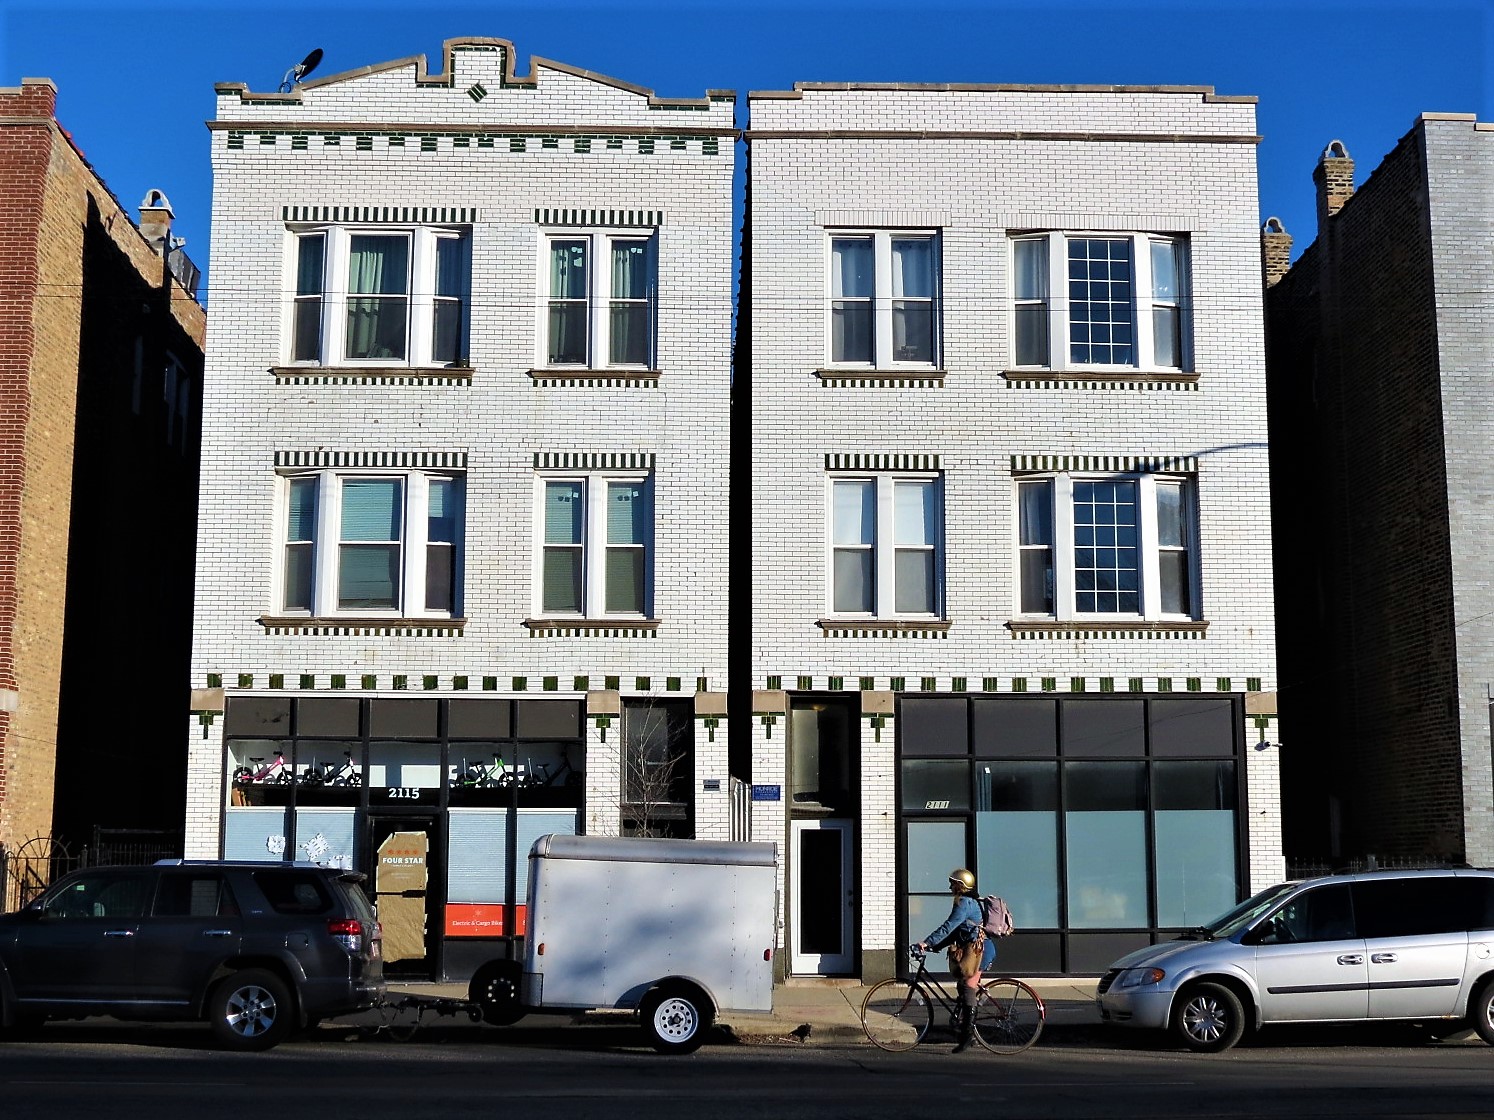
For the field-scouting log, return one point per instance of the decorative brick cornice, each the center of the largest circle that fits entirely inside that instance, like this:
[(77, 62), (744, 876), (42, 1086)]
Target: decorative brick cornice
[(1046, 379), (372, 375), (883, 628), (437, 460), (873, 462), (593, 461), (880, 379), (585, 217), (1084, 631), (382, 215), (596, 378), (364, 627), (592, 627), (1176, 464)]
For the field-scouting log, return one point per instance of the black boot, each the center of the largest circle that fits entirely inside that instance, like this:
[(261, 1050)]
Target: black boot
[(966, 1020)]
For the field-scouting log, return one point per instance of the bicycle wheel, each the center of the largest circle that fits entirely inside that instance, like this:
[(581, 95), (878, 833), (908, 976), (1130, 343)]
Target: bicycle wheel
[(896, 1015), (1009, 1016)]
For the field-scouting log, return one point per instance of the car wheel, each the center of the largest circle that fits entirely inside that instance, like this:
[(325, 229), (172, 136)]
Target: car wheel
[(1481, 1011), (675, 1019), (1208, 1018), (251, 1010), (495, 988)]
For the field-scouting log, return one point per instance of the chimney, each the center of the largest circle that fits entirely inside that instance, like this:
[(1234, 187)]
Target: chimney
[(1276, 251), (155, 220), (1334, 176)]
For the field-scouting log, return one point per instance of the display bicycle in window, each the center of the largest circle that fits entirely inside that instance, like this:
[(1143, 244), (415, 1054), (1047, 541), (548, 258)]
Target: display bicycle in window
[(1112, 545), (1100, 301), (884, 301), (600, 295), (377, 296), (371, 543)]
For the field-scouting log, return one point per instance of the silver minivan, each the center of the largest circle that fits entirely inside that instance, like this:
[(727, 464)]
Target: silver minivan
[(1415, 945)]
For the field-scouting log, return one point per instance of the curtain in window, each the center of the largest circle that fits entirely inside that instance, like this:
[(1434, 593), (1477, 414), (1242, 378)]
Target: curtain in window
[(378, 287), (629, 328), (306, 333), (915, 538), (568, 288), (1172, 554), (855, 519), (1035, 536), (562, 556), (453, 272), (628, 528), (440, 549), (1167, 316), (368, 570), (300, 537), (913, 299), (1030, 290), (852, 285)]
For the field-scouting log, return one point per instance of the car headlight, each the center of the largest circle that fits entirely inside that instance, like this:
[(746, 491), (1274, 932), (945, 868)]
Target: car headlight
[(1139, 977)]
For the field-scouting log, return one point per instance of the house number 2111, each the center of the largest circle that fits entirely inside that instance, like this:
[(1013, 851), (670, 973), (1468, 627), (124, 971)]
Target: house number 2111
[(936, 804)]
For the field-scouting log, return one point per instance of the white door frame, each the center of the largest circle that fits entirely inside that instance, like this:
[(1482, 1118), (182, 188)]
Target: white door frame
[(802, 963)]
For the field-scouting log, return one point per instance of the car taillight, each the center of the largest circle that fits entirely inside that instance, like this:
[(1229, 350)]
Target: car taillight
[(347, 931)]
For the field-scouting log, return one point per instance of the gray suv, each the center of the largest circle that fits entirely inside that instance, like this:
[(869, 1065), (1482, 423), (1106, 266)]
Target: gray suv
[(256, 949), (1412, 945)]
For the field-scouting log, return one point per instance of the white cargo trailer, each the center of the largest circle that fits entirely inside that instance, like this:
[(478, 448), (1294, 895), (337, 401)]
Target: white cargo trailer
[(678, 929)]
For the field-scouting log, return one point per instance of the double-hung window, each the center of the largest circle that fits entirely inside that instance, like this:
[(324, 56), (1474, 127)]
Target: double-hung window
[(599, 300), (371, 543), (596, 546), (886, 547), (1106, 301), (1106, 545), (379, 296), (884, 299)]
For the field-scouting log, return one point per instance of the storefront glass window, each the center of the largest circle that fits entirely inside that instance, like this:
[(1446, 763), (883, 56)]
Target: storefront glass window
[(935, 848), (1016, 838), (256, 833), (1105, 833), (936, 786), (416, 765), (476, 855), (326, 836), (1194, 831)]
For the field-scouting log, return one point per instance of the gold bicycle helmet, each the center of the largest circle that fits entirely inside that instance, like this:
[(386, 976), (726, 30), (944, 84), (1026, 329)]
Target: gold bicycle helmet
[(963, 879)]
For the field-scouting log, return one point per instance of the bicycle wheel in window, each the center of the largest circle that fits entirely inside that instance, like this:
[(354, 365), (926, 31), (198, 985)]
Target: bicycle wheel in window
[(1009, 1016), (896, 1015)]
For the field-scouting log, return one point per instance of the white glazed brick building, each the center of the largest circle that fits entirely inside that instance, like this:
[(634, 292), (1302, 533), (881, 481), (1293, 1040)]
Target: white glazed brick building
[(464, 468), (1010, 538)]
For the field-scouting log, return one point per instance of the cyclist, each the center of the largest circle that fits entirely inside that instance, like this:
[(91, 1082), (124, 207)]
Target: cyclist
[(963, 934)]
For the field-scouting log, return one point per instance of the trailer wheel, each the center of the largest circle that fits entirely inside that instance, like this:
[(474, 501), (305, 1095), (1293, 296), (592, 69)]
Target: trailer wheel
[(495, 988), (676, 1018)]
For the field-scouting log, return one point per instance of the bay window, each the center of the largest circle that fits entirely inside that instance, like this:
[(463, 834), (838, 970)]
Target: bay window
[(1112, 301), (596, 546), (373, 296), (885, 546), (370, 543), (1116, 546), (599, 304)]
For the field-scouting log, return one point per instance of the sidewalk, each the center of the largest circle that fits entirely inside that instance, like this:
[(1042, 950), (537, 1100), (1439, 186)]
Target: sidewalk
[(830, 1009)]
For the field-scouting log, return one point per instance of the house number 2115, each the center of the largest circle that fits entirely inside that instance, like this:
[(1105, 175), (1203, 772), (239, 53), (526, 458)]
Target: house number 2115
[(404, 793)]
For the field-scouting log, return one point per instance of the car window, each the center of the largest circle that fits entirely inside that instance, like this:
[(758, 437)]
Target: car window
[(1411, 907), (194, 895), (293, 892), (1321, 914), (100, 894), (1480, 890)]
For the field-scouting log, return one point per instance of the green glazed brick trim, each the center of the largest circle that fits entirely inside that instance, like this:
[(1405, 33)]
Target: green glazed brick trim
[(331, 141), (677, 144), (298, 143), (702, 684), (363, 143), (775, 683), (550, 684), (928, 684), (593, 461), (490, 684), (1178, 464), (396, 141), (1019, 684), (645, 145), (400, 682), (215, 680), (837, 683), (323, 458), (643, 684), (1050, 684), (461, 141), (339, 680), (235, 142), (897, 684), (581, 144), (867, 684), (614, 143), (612, 683), (459, 684), (1221, 684), (246, 680), (477, 91), (989, 684), (583, 216), (1252, 684), (957, 684), (710, 146), (515, 143), (427, 143), (1135, 684), (550, 142), (671, 684), (1195, 684), (580, 684), (521, 684), (895, 462), (485, 141), (1263, 722), (277, 680), (267, 140), (427, 682), (1107, 684), (370, 681), (805, 683), (1076, 684), (1164, 684)]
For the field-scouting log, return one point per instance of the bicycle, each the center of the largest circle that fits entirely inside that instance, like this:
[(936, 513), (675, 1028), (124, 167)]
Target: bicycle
[(898, 1013), (343, 773), (277, 773)]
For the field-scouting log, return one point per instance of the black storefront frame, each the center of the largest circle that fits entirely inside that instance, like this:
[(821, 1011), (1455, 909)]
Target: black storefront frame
[(1123, 939), (446, 954)]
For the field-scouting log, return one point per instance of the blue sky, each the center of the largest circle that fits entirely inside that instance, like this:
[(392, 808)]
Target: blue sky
[(136, 81)]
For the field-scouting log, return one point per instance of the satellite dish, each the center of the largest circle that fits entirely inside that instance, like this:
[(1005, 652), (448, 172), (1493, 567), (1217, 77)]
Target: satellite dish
[(294, 75)]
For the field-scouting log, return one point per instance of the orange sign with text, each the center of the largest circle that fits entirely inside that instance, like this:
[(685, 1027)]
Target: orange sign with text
[(480, 919)]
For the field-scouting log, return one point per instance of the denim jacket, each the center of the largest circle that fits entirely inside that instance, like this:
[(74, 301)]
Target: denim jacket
[(965, 912)]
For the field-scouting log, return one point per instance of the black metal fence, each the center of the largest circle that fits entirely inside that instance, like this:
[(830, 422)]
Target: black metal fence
[(1312, 868), (29, 868)]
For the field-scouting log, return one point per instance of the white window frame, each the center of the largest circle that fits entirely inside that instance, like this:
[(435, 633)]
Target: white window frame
[(420, 296), (599, 298), (326, 542), (884, 546), (882, 299), (593, 543), (1143, 300), (1148, 554)]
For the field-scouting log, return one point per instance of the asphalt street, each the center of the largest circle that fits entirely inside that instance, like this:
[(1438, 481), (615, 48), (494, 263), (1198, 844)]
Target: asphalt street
[(560, 1070)]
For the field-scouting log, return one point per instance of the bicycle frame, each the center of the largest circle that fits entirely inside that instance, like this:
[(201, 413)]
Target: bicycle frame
[(897, 1013)]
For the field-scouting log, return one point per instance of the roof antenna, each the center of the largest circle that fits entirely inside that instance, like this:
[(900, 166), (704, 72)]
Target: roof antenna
[(294, 75)]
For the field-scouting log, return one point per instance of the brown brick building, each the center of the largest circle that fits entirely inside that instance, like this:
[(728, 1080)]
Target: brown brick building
[(100, 379)]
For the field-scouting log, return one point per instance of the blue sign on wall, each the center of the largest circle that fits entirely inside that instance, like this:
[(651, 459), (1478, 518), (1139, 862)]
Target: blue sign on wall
[(767, 793)]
